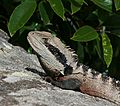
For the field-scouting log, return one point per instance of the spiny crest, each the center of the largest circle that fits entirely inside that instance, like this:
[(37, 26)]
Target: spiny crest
[(88, 72), (116, 83), (74, 55), (110, 81)]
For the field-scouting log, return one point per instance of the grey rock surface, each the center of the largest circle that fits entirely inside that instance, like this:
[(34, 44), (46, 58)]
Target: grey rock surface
[(22, 84)]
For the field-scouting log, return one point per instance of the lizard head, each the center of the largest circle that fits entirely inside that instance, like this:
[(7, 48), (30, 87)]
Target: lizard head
[(51, 53)]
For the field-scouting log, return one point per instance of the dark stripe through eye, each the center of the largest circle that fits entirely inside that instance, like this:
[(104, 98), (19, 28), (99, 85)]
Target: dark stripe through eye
[(56, 52), (60, 57)]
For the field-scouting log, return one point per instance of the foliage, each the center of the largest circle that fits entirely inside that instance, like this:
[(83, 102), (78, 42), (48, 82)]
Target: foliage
[(91, 27)]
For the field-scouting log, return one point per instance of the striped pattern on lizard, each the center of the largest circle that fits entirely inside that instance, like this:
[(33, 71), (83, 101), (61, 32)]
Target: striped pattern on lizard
[(61, 64)]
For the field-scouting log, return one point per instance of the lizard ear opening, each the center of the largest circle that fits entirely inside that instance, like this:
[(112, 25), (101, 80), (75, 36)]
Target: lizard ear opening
[(68, 70)]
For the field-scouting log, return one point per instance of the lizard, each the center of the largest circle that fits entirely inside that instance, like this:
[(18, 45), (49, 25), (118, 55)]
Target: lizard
[(61, 63)]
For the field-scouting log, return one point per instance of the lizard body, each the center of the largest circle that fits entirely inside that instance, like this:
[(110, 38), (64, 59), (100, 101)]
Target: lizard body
[(60, 62)]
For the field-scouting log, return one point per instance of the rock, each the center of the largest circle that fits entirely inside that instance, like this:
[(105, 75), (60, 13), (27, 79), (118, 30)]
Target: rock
[(22, 84)]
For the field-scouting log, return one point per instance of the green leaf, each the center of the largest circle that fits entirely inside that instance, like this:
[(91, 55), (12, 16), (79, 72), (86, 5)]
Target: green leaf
[(79, 1), (104, 4), (57, 7), (107, 49), (84, 34), (21, 15), (117, 4), (74, 8), (76, 5), (43, 13), (98, 48)]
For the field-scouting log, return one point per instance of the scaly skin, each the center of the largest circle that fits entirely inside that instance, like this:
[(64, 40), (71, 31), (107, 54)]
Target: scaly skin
[(60, 63), (94, 87)]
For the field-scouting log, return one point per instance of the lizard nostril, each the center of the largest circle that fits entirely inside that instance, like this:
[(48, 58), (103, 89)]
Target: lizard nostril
[(32, 32)]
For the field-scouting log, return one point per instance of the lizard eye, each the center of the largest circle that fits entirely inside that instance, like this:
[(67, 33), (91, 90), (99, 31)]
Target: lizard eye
[(32, 33), (45, 39)]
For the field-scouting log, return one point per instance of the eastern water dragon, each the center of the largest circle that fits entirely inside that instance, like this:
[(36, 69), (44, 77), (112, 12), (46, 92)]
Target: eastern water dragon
[(61, 64)]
